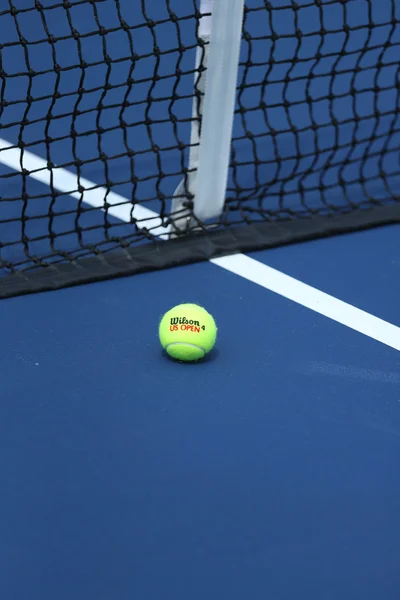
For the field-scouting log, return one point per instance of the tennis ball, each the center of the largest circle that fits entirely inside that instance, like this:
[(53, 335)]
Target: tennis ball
[(187, 332)]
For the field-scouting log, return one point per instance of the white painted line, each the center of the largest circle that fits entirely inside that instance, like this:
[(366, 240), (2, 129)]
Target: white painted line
[(67, 182), (314, 299), (239, 264)]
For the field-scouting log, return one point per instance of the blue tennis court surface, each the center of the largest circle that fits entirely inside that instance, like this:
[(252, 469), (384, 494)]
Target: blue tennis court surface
[(320, 133), (269, 471)]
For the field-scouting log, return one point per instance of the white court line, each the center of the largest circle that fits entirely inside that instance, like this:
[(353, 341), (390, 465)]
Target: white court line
[(67, 182), (314, 299), (239, 264)]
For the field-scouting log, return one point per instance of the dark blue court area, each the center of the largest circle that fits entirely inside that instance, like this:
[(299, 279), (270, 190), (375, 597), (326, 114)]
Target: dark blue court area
[(270, 470)]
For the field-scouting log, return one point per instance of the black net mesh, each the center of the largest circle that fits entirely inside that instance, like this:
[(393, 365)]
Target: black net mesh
[(96, 112)]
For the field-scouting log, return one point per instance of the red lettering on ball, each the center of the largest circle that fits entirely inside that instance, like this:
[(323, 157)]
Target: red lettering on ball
[(192, 328)]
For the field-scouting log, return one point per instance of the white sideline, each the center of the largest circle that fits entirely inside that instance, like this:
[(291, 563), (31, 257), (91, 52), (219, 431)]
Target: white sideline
[(239, 264), (312, 298), (67, 182)]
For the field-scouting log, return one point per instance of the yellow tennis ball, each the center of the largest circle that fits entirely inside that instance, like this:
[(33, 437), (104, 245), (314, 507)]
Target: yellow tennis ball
[(187, 332)]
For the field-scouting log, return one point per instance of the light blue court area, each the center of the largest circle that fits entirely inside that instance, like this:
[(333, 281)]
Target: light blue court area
[(269, 470), (316, 125)]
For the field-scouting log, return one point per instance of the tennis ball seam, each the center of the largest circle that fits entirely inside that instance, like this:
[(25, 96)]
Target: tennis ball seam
[(185, 344)]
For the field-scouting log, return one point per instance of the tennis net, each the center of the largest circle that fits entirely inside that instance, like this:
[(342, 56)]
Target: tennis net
[(101, 118)]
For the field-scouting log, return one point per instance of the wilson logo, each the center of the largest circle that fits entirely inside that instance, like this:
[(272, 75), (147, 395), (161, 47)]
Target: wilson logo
[(184, 324)]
